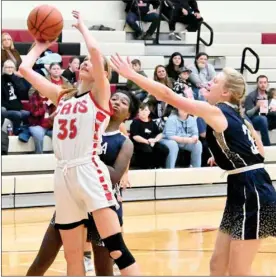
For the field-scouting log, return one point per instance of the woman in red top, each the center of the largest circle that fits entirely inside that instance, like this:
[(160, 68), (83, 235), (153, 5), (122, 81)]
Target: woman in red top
[(40, 120)]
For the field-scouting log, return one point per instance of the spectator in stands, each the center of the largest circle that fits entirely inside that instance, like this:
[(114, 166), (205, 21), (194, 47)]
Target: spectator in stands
[(70, 72), (42, 64), (271, 116), (55, 77), (149, 153), (8, 51), (182, 86), (140, 11), (256, 107), (40, 119), (22, 86), (202, 73), (185, 12), (181, 133), (139, 93), (11, 93), (176, 61), (160, 109)]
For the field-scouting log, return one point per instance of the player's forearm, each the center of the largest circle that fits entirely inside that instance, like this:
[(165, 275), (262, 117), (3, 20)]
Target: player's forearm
[(163, 93), (91, 43), (30, 59)]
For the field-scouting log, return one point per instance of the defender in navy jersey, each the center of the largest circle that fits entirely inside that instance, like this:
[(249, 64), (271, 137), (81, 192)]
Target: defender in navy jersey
[(117, 151), (250, 212)]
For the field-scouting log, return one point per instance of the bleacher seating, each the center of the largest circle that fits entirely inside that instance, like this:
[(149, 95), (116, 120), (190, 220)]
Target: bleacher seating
[(28, 178)]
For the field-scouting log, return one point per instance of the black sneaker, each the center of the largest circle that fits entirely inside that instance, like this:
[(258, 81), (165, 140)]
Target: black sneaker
[(147, 37)]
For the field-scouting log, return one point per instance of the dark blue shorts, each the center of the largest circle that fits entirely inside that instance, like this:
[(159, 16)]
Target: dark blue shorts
[(250, 211)]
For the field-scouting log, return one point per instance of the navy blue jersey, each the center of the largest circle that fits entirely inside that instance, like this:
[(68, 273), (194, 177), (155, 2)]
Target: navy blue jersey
[(112, 143), (235, 147)]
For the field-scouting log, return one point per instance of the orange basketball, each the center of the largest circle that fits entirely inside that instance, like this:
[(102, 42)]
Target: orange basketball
[(45, 23)]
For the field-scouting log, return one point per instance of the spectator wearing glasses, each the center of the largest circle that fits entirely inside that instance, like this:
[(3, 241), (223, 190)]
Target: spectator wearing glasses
[(139, 10), (11, 93)]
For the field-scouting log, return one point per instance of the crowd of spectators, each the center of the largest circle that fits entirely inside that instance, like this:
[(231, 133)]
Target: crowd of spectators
[(163, 137)]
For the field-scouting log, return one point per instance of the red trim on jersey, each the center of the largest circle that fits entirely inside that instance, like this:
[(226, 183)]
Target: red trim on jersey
[(110, 112)]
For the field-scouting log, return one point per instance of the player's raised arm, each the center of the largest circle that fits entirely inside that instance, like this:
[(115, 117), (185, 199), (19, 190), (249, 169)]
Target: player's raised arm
[(39, 82), (211, 114), (102, 94)]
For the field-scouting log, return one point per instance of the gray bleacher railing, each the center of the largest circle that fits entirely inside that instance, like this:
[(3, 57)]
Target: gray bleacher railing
[(244, 65)]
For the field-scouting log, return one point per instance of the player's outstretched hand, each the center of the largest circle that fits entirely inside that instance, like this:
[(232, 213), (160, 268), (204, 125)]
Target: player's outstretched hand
[(121, 66), (80, 23)]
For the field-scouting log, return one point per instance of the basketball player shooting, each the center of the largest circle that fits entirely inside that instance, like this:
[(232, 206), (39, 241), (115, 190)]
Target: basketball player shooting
[(82, 181), (250, 212)]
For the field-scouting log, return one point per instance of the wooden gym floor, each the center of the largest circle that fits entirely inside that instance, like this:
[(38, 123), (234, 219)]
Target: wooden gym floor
[(166, 237)]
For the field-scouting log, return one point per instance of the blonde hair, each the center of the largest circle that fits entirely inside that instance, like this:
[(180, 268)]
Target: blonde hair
[(12, 44), (71, 92), (235, 83)]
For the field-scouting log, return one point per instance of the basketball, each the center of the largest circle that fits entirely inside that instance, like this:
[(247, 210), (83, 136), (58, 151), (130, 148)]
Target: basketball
[(45, 23)]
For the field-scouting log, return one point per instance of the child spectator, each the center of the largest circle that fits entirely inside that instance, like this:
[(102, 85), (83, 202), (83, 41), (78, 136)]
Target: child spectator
[(139, 93), (70, 72), (181, 133), (176, 61), (149, 153), (40, 120), (182, 86)]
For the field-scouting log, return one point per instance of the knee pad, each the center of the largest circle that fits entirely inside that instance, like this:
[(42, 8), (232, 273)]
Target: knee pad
[(116, 243)]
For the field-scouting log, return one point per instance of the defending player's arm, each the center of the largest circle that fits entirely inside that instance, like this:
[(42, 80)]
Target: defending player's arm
[(211, 114), (122, 162), (39, 82), (102, 94)]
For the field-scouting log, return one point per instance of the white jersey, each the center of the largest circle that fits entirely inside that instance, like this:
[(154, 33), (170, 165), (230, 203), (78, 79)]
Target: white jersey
[(82, 180), (78, 127)]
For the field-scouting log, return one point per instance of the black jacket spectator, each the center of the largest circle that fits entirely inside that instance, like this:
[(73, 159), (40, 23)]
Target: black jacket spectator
[(192, 18), (11, 89), (131, 5), (140, 11)]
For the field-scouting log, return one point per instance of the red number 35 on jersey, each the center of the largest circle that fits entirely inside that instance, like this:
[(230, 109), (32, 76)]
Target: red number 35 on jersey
[(67, 129)]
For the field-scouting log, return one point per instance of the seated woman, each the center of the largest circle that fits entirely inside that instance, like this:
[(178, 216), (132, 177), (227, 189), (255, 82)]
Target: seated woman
[(202, 73), (176, 61), (181, 133), (159, 109), (11, 95), (146, 137), (8, 51), (70, 72), (40, 120)]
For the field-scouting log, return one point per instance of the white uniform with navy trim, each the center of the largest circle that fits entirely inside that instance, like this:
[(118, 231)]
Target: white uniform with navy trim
[(82, 181)]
